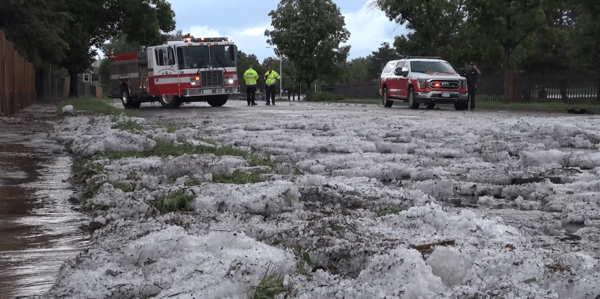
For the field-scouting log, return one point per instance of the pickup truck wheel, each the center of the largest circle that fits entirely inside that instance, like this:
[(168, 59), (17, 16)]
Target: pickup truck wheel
[(430, 106), (125, 99), (412, 104), (461, 106), (169, 101), (385, 99)]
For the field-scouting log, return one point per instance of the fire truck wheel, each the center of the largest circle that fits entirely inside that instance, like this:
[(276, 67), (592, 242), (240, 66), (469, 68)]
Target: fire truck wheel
[(170, 101), (125, 99), (135, 105), (217, 101)]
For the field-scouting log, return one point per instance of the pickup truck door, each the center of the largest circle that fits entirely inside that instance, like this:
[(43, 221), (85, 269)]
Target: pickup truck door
[(393, 82), (402, 78)]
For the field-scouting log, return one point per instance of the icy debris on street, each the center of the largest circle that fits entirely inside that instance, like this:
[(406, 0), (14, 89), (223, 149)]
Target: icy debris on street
[(363, 203)]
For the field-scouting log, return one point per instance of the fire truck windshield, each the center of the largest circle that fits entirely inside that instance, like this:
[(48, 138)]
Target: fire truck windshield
[(194, 57)]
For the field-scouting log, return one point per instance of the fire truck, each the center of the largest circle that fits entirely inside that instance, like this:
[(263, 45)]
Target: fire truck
[(191, 70)]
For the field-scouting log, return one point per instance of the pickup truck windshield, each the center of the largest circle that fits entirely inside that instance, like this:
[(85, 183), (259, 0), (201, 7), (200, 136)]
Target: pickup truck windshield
[(431, 67), (193, 57)]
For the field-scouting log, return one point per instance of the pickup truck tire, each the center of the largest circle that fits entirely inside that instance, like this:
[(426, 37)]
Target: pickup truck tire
[(412, 104), (169, 101), (135, 105), (385, 99), (217, 101), (430, 106), (461, 106)]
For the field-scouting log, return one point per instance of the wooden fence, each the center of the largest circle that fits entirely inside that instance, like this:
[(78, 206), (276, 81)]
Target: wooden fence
[(17, 79)]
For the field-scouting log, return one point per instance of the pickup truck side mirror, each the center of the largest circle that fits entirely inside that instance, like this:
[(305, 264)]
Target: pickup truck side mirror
[(401, 72)]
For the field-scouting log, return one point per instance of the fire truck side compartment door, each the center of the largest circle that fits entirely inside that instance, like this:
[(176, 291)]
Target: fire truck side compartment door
[(165, 79)]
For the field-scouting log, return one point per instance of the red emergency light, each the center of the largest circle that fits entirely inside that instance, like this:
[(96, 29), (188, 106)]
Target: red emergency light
[(197, 78), (437, 84)]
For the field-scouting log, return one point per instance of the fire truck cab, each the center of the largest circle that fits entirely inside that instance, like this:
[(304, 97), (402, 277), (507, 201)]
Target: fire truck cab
[(192, 70)]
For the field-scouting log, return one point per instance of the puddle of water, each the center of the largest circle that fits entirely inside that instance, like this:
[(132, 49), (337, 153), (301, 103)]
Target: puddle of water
[(39, 227)]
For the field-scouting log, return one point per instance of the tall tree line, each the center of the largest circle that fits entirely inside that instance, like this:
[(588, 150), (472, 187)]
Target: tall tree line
[(66, 33), (535, 35)]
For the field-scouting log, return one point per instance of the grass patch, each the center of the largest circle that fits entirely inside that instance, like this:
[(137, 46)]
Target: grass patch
[(129, 125), (96, 106), (174, 202), (388, 211), (269, 286), (164, 149), (306, 265), (555, 105), (276, 242), (123, 186), (86, 168), (239, 177), (324, 97), (193, 181), (92, 190), (337, 228), (206, 140), (171, 128)]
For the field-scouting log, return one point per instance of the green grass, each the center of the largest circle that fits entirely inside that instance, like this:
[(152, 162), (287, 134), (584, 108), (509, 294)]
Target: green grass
[(553, 105), (388, 211), (164, 149), (171, 128), (123, 186), (337, 228), (193, 181), (86, 168), (129, 125), (239, 177), (96, 106), (174, 202), (306, 265), (92, 190), (269, 286)]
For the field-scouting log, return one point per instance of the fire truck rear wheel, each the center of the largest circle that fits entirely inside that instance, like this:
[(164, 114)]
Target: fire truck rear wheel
[(217, 101), (170, 101), (125, 99)]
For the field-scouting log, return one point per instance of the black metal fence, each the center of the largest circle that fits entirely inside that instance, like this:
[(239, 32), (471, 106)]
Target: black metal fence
[(356, 89)]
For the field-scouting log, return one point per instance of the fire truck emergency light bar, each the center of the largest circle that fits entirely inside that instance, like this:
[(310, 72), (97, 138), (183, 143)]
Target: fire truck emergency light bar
[(205, 39)]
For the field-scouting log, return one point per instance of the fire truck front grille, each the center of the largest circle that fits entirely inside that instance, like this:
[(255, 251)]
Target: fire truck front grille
[(212, 78)]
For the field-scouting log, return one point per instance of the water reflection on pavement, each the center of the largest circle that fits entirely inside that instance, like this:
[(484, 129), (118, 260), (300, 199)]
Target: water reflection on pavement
[(40, 227)]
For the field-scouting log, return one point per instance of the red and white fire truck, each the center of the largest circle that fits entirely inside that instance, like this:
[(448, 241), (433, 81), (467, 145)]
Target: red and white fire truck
[(192, 70)]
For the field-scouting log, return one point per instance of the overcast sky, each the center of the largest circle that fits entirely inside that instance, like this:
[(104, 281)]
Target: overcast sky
[(244, 22)]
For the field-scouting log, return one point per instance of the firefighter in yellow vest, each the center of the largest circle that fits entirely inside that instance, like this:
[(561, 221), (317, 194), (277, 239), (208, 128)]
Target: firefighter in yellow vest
[(250, 76), (271, 78)]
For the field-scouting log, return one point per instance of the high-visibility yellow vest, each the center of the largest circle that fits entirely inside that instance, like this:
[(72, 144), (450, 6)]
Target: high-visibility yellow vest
[(271, 77), (250, 76)]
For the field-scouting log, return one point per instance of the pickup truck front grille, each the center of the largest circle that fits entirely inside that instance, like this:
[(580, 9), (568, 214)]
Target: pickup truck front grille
[(444, 84), (212, 78)]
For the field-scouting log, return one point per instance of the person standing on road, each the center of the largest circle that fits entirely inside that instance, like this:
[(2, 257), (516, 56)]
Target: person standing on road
[(250, 76), (271, 78), (471, 76)]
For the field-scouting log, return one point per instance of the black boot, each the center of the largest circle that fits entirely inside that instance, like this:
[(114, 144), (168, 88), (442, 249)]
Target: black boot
[(253, 104)]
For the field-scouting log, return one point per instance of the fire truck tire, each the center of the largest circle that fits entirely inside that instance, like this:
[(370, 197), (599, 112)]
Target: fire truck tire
[(135, 105), (169, 101), (217, 101), (125, 98)]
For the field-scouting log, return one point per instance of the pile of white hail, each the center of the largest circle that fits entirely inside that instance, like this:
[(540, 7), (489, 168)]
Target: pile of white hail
[(360, 202)]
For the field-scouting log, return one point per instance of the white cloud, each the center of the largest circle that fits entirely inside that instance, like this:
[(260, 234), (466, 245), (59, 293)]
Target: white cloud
[(369, 28), (203, 31)]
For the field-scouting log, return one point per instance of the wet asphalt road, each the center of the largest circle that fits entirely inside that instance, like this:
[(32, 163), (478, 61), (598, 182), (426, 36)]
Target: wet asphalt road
[(40, 226)]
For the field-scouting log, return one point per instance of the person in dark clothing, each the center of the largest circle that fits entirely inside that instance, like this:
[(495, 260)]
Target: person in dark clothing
[(471, 76)]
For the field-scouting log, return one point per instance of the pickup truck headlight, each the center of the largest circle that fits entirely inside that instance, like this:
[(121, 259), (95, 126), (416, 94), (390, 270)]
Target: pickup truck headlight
[(422, 83), (463, 84)]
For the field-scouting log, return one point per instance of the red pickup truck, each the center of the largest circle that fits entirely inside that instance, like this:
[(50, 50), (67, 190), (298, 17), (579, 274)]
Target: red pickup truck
[(422, 80)]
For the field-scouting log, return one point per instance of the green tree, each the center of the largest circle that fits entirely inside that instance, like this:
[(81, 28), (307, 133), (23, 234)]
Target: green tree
[(358, 68), (433, 24), (37, 29), (309, 34), (497, 29), (243, 63), (93, 22), (383, 54), (586, 39)]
